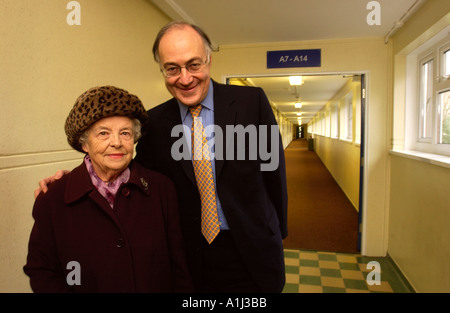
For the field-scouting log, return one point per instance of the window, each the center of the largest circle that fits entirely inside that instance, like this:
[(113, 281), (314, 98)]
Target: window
[(444, 96), (444, 117), (426, 100), (446, 63), (327, 123), (347, 118), (322, 123), (334, 120)]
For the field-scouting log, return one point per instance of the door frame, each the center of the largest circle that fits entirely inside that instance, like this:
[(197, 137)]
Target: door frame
[(362, 221)]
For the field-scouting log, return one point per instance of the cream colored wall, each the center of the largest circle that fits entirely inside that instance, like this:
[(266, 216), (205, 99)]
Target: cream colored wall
[(419, 190), (419, 215), (342, 159), (45, 64), (338, 56)]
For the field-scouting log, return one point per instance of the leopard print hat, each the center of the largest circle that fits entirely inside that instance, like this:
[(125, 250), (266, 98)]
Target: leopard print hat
[(97, 103)]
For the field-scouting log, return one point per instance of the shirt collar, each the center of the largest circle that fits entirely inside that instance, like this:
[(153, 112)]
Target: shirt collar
[(208, 102)]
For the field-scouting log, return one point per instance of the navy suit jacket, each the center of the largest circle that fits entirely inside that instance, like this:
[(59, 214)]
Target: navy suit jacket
[(254, 201)]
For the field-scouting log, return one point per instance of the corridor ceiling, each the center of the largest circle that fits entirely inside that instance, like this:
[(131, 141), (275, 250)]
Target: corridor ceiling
[(234, 22)]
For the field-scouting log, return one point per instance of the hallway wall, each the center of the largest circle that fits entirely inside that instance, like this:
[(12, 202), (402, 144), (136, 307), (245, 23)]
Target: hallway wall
[(45, 65), (341, 157), (342, 160)]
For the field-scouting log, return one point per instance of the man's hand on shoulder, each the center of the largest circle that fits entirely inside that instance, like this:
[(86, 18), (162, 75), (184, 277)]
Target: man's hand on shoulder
[(43, 184)]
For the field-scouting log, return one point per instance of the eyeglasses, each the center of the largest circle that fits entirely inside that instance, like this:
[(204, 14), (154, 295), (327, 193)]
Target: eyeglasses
[(175, 70)]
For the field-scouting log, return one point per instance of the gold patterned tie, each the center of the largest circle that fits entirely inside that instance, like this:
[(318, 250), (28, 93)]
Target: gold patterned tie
[(204, 176)]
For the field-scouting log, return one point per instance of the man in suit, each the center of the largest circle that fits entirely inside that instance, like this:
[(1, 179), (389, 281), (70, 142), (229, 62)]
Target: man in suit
[(249, 202), (247, 253)]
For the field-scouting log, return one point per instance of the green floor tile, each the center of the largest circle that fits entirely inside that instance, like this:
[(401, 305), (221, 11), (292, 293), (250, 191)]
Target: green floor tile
[(290, 288), (333, 290), (349, 266), (291, 269), (291, 254), (327, 257), (311, 263), (310, 280), (330, 272), (355, 284)]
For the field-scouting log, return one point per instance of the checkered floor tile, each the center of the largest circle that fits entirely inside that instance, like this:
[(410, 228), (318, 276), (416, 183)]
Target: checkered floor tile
[(330, 272)]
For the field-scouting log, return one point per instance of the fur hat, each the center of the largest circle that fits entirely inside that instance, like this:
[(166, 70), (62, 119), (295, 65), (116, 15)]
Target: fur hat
[(97, 103)]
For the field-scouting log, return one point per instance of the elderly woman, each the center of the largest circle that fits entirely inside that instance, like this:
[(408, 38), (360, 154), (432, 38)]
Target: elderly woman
[(110, 225)]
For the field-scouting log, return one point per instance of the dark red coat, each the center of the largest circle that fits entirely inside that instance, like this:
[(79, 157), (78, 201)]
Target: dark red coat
[(134, 247)]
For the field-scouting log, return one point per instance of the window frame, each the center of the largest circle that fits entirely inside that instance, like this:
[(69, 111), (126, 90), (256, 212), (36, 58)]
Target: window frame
[(435, 52)]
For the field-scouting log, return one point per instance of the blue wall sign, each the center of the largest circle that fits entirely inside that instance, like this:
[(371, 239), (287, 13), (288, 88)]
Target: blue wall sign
[(294, 58)]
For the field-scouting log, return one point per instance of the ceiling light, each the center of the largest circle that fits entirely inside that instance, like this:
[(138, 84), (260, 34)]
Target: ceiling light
[(299, 113), (296, 80), (298, 105)]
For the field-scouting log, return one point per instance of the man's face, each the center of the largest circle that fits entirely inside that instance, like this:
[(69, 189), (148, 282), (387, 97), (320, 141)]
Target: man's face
[(181, 47)]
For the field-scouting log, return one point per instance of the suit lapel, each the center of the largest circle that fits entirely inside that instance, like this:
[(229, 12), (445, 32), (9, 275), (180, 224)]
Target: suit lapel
[(172, 118), (224, 114)]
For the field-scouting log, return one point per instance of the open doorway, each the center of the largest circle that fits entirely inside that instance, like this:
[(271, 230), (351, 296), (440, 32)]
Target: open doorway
[(321, 121)]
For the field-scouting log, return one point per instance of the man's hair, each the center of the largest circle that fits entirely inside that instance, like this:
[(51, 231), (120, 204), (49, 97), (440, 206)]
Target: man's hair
[(181, 25)]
